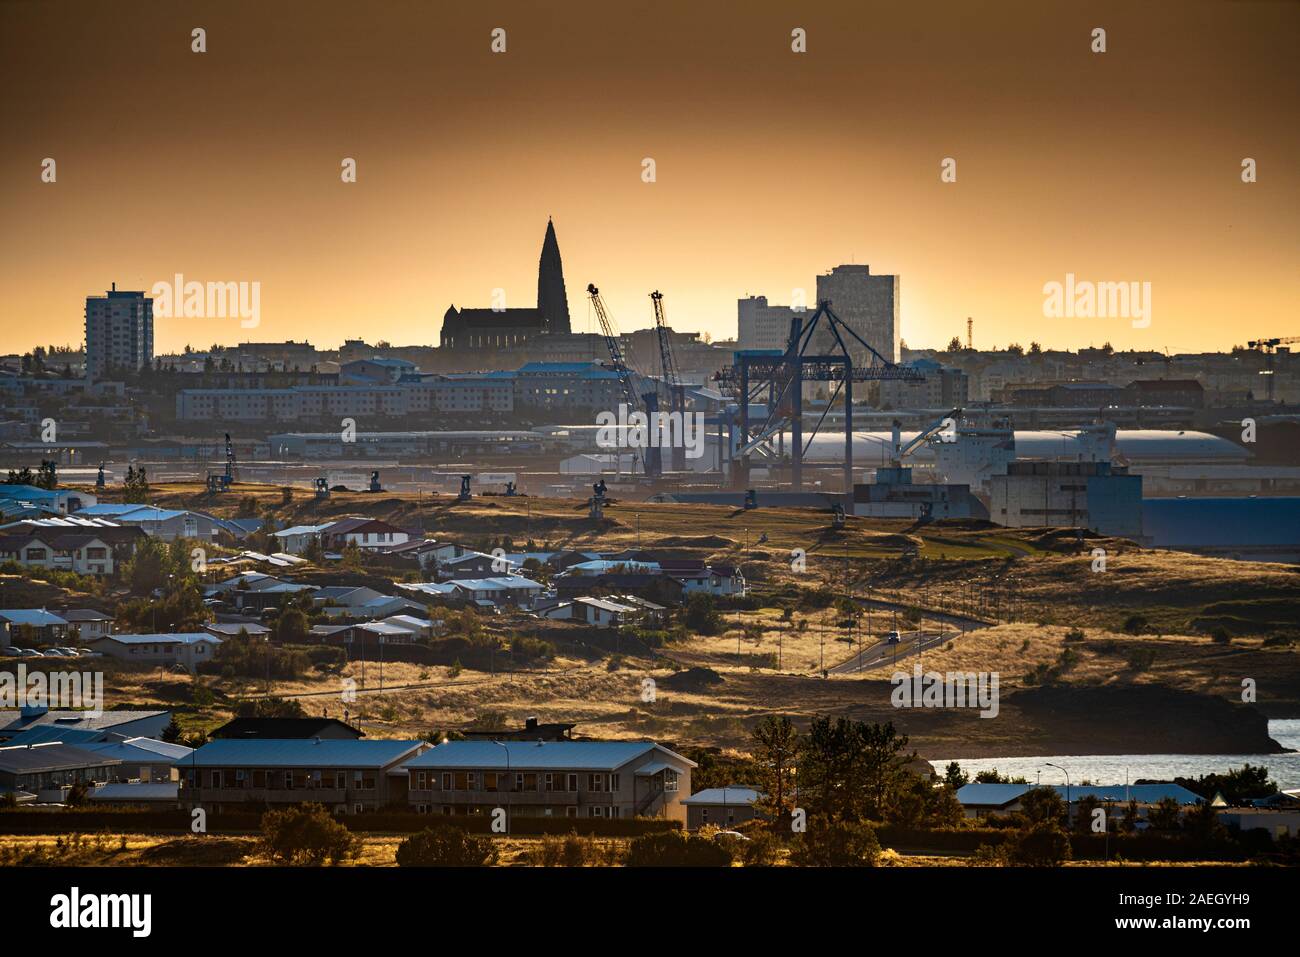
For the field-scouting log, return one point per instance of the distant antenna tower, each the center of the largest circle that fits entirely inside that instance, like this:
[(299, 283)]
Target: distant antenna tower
[(970, 326)]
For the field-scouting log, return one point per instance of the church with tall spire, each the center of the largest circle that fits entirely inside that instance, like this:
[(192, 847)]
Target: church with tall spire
[(473, 328)]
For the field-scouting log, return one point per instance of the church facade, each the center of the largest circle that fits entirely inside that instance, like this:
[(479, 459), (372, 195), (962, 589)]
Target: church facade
[(476, 329)]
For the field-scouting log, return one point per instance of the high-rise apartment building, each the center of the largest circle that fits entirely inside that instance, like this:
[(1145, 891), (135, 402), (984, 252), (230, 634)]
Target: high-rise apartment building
[(119, 332), (869, 304), (761, 326)]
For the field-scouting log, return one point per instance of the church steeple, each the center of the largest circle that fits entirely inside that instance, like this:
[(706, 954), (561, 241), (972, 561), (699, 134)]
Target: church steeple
[(552, 301)]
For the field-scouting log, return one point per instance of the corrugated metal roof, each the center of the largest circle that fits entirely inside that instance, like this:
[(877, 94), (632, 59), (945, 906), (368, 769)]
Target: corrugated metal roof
[(724, 796), (546, 756), (36, 617), (141, 791), (183, 638), (997, 795), (299, 753)]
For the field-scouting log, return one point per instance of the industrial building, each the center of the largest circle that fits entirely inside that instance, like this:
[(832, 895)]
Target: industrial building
[(893, 495), (1098, 496)]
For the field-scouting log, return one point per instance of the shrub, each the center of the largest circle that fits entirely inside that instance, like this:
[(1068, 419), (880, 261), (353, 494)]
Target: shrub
[(1075, 634), (306, 835), (1221, 636), (446, 846), (571, 850), (761, 850), (675, 849), (1135, 625), (838, 844), (1044, 845)]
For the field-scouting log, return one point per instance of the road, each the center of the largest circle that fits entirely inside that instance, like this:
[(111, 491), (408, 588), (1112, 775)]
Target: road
[(882, 654)]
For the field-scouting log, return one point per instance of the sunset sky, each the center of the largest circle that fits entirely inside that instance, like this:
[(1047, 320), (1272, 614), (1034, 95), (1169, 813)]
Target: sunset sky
[(771, 166)]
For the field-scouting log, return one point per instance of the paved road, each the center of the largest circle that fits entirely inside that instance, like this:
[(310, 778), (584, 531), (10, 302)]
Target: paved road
[(882, 655)]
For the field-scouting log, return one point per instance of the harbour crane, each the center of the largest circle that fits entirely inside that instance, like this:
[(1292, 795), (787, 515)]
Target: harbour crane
[(617, 363), (649, 403), (668, 369)]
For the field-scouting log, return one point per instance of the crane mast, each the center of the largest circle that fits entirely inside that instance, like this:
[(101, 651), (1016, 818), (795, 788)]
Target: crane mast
[(672, 380), (616, 360)]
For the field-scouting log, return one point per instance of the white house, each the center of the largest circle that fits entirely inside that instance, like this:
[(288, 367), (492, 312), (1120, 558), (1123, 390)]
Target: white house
[(186, 650)]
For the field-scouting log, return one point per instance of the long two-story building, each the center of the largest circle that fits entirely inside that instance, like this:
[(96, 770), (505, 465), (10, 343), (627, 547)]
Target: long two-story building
[(346, 776), (599, 779)]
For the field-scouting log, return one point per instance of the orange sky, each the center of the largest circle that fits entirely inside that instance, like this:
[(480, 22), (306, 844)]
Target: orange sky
[(771, 166)]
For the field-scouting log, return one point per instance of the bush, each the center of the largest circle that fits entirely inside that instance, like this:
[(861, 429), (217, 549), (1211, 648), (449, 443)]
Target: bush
[(675, 849), (1221, 636), (1135, 625), (1044, 845), (306, 835), (446, 846), (836, 844), (1075, 634), (761, 850), (571, 850)]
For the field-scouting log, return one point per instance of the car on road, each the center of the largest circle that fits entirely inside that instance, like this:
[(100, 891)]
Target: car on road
[(892, 637)]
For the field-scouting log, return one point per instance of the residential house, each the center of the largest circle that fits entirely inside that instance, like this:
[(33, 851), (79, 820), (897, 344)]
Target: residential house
[(998, 800), (167, 524), (598, 779), (232, 629), (46, 772), (347, 776), (187, 650), (295, 540), (139, 759), (600, 612), (87, 622), (724, 807), (474, 565), (532, 730), (128, 723), (362, 532), (21, 626), (83, 553), (64, 501)]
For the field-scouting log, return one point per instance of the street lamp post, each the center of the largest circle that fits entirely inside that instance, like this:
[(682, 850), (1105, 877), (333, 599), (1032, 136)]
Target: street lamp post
[(1049, 764)]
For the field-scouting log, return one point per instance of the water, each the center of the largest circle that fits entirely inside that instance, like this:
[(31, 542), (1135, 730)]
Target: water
[(1283, 769)]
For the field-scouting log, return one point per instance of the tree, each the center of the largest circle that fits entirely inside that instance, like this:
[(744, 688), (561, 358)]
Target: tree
[(1035, 349), (446, 846), (702, 614), (836, 844), (47, 475), (1044, 844), (291, 626), (352, 556), (955, 777), (172, 733), (850, 771), (1165, 815), (306, 834), (954, 344), (1043, 805), (776, 743)]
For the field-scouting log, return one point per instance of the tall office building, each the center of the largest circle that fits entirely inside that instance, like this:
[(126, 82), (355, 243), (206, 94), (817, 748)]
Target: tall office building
[(761, 326), (119, 332), (869, 304)]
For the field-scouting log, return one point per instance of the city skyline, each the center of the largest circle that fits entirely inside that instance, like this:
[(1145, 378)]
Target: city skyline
[(772, 167)]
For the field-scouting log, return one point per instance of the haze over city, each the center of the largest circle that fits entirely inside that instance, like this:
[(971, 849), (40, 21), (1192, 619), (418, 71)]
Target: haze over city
[(771, 168)]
